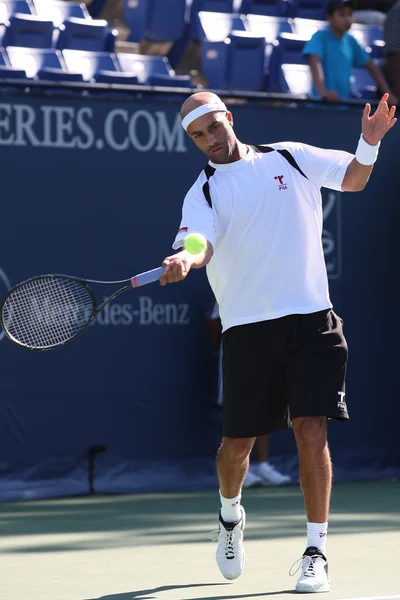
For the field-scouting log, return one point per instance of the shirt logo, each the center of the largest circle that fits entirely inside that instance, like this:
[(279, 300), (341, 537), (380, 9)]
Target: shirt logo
[(282, 185), (341, 403), (183, 229)]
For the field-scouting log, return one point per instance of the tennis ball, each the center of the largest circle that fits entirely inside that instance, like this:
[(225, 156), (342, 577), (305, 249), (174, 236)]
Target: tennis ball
[(195, 243)]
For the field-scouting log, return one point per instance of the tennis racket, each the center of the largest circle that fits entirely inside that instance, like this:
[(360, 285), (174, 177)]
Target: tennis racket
[(48, 311)]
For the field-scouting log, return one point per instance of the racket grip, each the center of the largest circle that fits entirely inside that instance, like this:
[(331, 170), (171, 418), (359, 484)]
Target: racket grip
[(147, 277)]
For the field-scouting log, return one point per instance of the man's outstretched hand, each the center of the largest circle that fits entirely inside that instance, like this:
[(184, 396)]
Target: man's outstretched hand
[(375, 127)]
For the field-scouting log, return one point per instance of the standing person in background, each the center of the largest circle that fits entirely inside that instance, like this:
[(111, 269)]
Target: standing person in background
[(284, 352), (333, 53), (261, 472)]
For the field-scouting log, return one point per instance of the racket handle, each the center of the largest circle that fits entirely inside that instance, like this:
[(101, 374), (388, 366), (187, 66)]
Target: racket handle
[(147, 277)]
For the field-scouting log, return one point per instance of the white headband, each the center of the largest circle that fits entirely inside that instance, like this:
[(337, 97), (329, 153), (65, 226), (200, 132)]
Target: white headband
[(215, 105)]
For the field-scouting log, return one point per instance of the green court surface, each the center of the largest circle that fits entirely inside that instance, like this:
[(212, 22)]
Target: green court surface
[(157, 546)]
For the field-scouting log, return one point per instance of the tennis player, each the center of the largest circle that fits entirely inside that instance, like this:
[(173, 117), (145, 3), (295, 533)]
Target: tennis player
[(284, 352)]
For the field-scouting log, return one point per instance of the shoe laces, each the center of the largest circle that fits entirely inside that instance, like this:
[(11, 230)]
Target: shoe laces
[(229, 539), (307, 562)]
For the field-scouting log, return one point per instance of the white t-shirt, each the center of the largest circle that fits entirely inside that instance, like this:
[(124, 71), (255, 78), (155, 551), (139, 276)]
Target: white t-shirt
[(265, 226)]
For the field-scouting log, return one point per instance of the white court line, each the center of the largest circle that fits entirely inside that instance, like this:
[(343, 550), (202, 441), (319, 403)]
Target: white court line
[(375, 598)]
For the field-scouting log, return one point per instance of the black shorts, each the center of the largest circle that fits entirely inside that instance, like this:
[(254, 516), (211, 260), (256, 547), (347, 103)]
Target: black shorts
[(277, 370)]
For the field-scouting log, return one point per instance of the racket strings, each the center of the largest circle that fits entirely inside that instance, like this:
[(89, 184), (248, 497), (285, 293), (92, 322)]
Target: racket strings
[(47, 311)]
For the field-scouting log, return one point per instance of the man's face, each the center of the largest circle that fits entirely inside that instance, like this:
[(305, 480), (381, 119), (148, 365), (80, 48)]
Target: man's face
[(214, 136), (342, 19)]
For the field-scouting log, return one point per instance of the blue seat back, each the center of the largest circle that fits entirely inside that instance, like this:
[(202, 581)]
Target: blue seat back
[(166, 20), (286, 50), (215, 27), (89, 63), (220, 6), (33, 59), (268, 8), (307, 27), (136, 17), (295, 79), (59, 11), (10, 7), (86, 35), (310, 9), (246, 61), (362, 85), (143, 66), (366, 34), (29, 31), (269, 27)]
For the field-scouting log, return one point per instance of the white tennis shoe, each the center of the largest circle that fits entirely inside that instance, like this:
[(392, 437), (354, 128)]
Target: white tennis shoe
[(269, 475), (230, 551), (314, 572)]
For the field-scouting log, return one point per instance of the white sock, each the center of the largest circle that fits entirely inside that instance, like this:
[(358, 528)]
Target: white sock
[(230, 508), (316, 535)]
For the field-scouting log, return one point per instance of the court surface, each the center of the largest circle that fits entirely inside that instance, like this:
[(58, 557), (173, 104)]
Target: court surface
[(157, 546)]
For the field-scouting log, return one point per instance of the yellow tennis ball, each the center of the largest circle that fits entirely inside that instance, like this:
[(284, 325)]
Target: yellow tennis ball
[(195, 243)]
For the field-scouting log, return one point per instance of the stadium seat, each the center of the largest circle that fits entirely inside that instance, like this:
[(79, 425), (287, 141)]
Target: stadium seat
[(10, 7), (366, 34), (148, 69), (245, 70), (7, 71), (165, 21), (362, 85), (287, 49), (310, 9), (94, 66), (377, 51), (215, 27), (41, 63), (135, 16), (295, 79), (307, 27), (269, 27), (83, 34), (268, 8), (59, 11), (29, 31), (197, 6)]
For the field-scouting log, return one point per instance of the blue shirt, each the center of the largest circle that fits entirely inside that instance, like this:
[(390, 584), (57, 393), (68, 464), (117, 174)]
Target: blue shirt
[(338, 57)]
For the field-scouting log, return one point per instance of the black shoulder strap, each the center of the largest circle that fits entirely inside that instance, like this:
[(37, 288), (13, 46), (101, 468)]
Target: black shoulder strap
[(285, 153), (209, 171)]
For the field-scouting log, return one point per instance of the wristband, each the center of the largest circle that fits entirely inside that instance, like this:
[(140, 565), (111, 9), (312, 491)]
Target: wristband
[(365, 153)]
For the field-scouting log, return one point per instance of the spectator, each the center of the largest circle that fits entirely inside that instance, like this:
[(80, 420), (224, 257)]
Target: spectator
[(333, 52), (392, 48), (260, 472)]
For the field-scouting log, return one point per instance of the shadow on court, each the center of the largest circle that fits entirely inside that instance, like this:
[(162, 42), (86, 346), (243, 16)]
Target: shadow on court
[(144, 594), (100, 522)]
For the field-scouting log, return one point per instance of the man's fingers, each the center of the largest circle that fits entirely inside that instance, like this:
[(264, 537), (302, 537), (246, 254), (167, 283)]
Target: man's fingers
[(392, 123), (367, 111)]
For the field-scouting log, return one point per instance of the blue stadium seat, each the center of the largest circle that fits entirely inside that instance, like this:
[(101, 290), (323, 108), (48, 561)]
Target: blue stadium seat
[(362, 85), (246, 62), (92, 65), (215, 26), (83, 34), (148, 69), (295, 79), (178, 81), (378, 52), (310, 9), (166, 20), (269, 27), (214, 29), (220, 6), (7, 71), (268, 8), (307, 27), (366, 34), (29, 31), (287, 49), (59, 11), (10, 7), (136, 17), (41, 63)]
